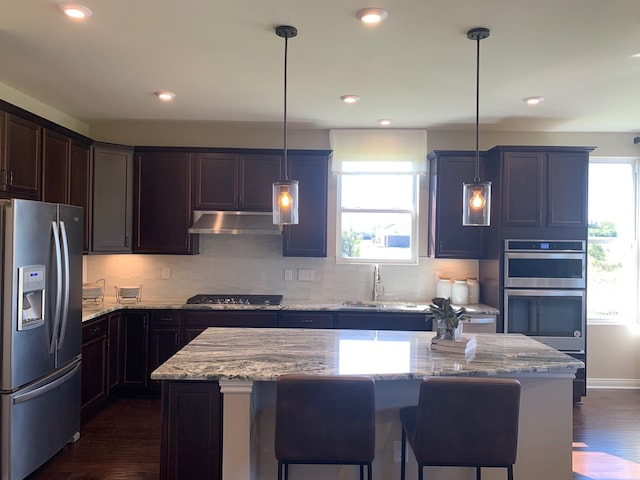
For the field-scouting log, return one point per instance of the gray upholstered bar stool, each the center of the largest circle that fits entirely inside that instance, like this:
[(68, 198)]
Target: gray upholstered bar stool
[(463, 422), (325, 420)]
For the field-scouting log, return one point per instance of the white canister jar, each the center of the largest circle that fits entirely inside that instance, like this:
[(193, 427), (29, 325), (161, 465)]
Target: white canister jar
[(460, 292), (474, 291), (443, 288)]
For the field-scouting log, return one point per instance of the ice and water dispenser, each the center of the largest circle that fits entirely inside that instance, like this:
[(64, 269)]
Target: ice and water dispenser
[(31, 296)]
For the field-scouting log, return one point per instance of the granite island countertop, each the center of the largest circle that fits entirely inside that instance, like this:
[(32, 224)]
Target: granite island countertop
[(91, 311), (264, 354)]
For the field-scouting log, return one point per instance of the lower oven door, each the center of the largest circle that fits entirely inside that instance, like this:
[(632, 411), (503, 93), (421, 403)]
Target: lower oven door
[(554, 317)]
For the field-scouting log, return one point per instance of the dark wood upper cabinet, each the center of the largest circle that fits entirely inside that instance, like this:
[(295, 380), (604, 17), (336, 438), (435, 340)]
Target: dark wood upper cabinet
[(448, 238), (56, 152), (162, 206), (235, 181), (309, 237), (80, 184), (541, 187), (20, 157), (112, 207)]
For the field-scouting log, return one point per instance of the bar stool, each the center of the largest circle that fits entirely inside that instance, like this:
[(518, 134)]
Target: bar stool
[(325, 420), (463, 422)]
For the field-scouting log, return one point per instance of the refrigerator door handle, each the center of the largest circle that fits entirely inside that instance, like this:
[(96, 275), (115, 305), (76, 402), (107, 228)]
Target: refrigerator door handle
[(67, 284), (38, 391), (58, 292)]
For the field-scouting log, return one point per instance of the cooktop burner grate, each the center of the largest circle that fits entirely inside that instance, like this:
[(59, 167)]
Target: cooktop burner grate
[(235, 299)]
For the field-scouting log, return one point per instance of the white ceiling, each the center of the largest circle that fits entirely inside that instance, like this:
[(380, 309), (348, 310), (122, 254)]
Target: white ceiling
[(225, 63)]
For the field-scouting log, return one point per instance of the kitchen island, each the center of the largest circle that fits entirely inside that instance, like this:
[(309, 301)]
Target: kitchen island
[(246, 363)]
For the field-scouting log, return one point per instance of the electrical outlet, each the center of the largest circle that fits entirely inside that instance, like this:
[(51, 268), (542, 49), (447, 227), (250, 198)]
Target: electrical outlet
[(306, 275), (288, 275), (397, 451), (165, 273)]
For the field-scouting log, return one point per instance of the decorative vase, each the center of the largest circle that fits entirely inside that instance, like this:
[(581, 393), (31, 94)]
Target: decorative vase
[(444, 331), (460, 292)]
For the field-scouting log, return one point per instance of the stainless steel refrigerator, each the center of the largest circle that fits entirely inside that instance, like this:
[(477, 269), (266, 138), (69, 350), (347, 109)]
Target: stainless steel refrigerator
[(41, 332)]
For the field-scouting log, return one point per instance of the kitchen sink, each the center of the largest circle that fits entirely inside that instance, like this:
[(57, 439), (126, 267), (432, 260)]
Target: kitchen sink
[(372, 305)]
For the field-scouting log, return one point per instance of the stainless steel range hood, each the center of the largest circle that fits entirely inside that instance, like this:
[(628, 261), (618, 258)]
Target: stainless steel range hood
[(234, 223)]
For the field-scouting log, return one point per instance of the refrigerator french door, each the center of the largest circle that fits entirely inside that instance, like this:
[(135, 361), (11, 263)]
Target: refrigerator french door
[(41, 332)]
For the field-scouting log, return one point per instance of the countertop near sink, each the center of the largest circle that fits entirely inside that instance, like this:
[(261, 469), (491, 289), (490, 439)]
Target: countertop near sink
[(91, 311)]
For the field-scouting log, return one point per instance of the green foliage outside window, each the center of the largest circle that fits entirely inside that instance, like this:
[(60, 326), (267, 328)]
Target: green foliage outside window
[(350, 243)]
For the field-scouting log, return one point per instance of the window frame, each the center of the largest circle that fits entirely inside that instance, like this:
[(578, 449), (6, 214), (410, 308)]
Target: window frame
[(413, 213), (634, 243)]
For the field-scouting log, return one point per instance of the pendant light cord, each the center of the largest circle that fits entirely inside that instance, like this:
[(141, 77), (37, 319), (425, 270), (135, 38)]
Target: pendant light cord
[(477, 178), (284, 156)]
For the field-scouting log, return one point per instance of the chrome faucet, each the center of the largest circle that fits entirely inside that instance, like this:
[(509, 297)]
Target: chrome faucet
[(376, 291)]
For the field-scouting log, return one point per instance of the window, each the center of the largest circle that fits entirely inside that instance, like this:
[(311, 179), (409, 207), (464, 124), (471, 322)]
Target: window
[(612, 271), (378, 172)]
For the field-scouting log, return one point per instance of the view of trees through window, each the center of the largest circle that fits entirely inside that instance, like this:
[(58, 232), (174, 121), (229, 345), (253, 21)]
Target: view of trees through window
[(612, 274)]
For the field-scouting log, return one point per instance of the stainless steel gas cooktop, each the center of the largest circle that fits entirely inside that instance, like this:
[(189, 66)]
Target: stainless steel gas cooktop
[(235, 299)]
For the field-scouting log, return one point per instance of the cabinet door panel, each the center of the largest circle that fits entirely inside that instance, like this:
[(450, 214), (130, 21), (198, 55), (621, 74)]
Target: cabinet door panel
[(448, 238), (55, 167), (191, 448), (21, 155), (216, 182), (112, 195), (80, 185), (135, 349), (309, 237), (94, 367), (257, 175), (567, 189), (163, 203), (523, 182)]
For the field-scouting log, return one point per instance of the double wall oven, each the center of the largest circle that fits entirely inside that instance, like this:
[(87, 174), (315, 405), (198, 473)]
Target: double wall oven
[(545, 291)]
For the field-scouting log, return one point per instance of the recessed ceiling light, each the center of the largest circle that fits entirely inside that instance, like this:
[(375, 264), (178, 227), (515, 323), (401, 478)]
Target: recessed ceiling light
[(371, 16), (635, 55), (533, 100), (384, 122), (75, 11), (349, 98), (165, 96)]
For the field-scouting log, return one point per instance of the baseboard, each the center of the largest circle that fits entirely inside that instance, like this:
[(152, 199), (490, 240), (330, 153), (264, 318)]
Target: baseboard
[(613, 383)]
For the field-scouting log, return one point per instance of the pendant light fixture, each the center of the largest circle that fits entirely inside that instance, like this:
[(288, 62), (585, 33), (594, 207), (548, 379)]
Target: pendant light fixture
[(476, 196), (285, 192)]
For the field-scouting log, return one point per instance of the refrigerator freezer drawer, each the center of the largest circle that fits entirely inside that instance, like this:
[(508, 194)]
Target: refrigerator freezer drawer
[(39, 420)]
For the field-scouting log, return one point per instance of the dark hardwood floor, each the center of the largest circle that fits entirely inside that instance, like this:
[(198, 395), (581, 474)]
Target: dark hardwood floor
[(606, 436), (123, 441)]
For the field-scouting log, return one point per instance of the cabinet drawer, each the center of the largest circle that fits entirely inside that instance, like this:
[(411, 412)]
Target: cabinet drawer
[(94, 329), (305, 320), (166, 317), (229, 318)]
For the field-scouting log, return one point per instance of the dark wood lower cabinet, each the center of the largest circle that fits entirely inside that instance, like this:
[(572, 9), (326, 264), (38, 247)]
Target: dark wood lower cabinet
[(94, 365), (191, 448), (382, 321)]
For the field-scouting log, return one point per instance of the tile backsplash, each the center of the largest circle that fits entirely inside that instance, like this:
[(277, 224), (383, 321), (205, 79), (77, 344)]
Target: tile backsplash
[(254, 264)]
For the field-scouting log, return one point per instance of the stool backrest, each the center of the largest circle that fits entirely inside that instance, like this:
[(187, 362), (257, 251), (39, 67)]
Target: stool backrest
[(468, 421), (325, 419)]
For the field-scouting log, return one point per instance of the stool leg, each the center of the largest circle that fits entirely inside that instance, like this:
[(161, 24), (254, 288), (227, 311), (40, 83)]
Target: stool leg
[(362, 471), (369, 473), (510, 472), (478, 474), (403, 451)]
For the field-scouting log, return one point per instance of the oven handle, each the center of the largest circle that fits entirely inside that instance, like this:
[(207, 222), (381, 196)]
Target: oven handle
[(542, 292)]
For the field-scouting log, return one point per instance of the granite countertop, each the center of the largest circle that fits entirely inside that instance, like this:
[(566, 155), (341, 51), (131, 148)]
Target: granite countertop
[(264, 354), (94, 310)]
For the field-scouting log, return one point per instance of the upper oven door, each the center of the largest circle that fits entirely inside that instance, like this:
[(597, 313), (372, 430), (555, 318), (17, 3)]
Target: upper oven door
[(544, 270)]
